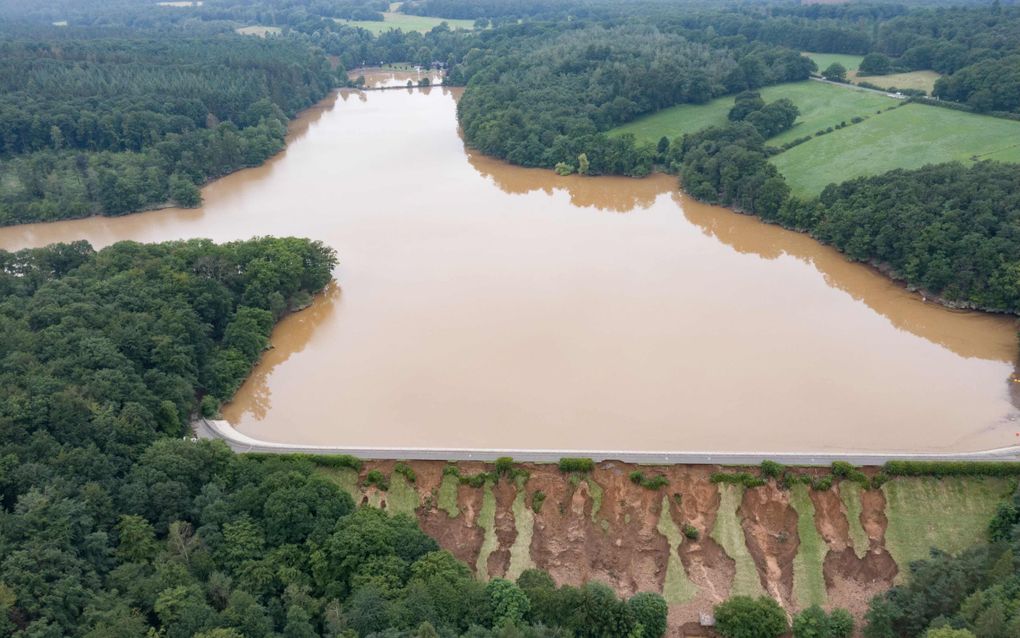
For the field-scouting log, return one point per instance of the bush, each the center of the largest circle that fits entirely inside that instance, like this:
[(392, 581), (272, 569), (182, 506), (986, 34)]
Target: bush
[(650, 611), (405, 470), (822, 483), (536, 501), (771, 469), (378, 479), (813, 622), (844, 470), (649, 482), (451, 470), (841, 624), (576, 465), (337, 461), (504, 466), (737, 478), (478, 480), (691, 532), (745, 617), (563, 169), (210, 406)]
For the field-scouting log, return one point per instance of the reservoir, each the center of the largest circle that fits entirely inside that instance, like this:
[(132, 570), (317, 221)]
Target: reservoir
[(479, 304)]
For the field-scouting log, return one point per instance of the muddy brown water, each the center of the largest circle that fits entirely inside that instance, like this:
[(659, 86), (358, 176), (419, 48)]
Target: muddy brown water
[(484, 305), (380, 78)]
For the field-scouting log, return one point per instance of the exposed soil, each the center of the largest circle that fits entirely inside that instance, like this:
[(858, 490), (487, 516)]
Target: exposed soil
[(770, 529), (603, 527), (851, 581), (506, 530)]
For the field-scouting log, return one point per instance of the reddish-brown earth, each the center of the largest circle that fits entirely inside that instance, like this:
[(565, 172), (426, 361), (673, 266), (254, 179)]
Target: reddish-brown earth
[(576, 538)]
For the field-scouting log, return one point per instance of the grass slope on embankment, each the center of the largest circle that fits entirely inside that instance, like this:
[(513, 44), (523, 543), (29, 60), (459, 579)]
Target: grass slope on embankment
[(907, 137), (950, 514), (821, 106), (406, 22)]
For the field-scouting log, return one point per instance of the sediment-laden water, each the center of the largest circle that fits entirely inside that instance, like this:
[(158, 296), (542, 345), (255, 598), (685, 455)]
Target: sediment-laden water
[(484, 305)]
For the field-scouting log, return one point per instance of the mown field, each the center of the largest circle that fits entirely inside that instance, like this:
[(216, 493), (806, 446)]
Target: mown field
[(406, 22), (920, 80), (821, 105), (907, 137), (823, 60)]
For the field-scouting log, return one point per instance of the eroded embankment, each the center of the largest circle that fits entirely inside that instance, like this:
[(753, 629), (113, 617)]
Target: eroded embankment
[(693, 540)]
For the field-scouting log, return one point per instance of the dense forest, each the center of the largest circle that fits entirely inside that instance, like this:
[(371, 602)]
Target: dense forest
[(117, 125), (111, 525)]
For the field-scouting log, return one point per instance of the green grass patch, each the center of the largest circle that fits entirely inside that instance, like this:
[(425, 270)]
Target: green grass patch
[(677, 587), (907, 137), (823, 60), (808, 578), (448, 495), (406, 22), (596, 498), (821, 106), (850, 494), (487, 521), (402, 498), (950, 514), (345, 478), (730, 536), (520, 551), (919, 80)]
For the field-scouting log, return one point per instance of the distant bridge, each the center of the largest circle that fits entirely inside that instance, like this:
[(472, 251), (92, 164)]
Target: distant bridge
[(217, 429)]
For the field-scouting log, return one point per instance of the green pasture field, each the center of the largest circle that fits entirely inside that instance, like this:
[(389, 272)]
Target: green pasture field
[(908, 137), (823, 60), (406, 22), (921, 80), (821, 106)]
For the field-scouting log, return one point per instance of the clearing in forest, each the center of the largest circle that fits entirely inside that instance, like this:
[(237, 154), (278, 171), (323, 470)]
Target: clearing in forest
[(406, 22), (821, 106), (823, 60), (907, 137)]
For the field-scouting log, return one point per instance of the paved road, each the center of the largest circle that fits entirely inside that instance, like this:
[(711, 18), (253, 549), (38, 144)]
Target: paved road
[(209, 429)]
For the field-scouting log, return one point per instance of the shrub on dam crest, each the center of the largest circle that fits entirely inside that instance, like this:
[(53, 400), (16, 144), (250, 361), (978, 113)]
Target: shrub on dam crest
[(569, 464)]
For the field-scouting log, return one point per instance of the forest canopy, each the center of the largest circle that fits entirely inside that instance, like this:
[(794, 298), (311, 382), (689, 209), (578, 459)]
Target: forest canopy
[(117, 125)]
